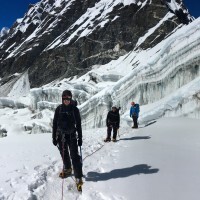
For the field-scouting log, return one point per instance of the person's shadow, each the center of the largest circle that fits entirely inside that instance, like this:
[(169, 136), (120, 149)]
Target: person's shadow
[(137, 138), (120, 173)]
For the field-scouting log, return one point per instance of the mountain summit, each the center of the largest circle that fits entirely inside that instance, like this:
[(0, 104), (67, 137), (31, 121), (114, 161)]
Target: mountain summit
[(67, 37)]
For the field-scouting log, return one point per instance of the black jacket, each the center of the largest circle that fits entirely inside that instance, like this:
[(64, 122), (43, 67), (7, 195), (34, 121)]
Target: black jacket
[(67, 118), (113, 119)]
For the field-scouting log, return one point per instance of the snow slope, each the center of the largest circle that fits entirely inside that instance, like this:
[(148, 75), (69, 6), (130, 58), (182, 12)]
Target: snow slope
[(159, 161)]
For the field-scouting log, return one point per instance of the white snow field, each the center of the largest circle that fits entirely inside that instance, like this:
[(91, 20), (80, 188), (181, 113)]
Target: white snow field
[(159, 161)]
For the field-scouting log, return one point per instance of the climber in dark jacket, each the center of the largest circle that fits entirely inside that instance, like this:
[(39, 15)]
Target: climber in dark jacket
[(66, 123), (112, 122)]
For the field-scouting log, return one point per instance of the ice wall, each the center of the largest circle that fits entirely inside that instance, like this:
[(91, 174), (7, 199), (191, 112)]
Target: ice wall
[(183, 102), (50, 96), (164, 80), (161, 71), (145, 77), (176, 64)]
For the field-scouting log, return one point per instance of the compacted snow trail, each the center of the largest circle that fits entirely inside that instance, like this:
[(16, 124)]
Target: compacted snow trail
[(160, 161), (154, 162)]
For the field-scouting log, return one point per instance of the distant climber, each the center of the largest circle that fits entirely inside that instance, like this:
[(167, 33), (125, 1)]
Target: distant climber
[(112, 123), (134, 113)]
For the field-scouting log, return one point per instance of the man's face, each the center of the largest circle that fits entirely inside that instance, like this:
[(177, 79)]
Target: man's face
[(113, 109), (66, 100)]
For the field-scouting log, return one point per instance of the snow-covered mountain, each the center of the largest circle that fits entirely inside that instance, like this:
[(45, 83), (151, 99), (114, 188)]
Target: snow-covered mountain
[(3, 33), (68, 37), (162, 76), (107, 53), (166, 75), (163, 79), (156, 77), (178, 8)]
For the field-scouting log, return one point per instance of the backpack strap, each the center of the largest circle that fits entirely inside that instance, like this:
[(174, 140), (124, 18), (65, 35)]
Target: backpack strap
[(74, 116)]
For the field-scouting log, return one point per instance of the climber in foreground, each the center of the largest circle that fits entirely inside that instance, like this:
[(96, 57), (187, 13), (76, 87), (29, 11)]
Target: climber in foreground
[(112, 123), (66, 123), (134, 113)]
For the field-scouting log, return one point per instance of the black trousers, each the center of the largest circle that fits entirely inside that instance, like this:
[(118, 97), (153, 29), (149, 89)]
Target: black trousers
[(67, 145), (109, 130), (135, 121)]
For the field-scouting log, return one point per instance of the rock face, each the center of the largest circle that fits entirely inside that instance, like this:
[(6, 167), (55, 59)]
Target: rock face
[(177, 7), (57, 39)]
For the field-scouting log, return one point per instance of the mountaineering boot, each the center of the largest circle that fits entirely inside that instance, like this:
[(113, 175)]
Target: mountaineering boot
[(134, 127), (107, 140), (65, 173), (79, 183), (114, 140)]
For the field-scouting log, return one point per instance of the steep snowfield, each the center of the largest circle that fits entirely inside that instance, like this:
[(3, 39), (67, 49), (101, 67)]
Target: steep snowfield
[(159, 161), (19, 86)]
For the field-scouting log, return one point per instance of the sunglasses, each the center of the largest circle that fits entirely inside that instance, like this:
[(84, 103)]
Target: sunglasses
[(66, 98)]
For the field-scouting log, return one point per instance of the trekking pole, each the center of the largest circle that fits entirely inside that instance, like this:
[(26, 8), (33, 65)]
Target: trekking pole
[(118, 133)]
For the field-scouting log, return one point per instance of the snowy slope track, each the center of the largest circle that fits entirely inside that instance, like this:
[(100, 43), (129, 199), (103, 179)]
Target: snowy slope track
[(159, 161)]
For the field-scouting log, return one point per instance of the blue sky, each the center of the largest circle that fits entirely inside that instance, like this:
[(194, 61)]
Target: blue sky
[(193, 7), (10, 10)]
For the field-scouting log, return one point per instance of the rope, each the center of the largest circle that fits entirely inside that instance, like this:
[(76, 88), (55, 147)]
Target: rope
[(73, 179), (63, 167), (93, 152), (82, 160), (98, 148), (87, 157)]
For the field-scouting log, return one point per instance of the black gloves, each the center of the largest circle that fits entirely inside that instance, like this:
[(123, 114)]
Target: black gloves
[(80, 142), (55, 142)]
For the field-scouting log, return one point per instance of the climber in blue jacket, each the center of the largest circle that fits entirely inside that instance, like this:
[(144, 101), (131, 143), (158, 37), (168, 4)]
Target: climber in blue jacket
[(134, 113)]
